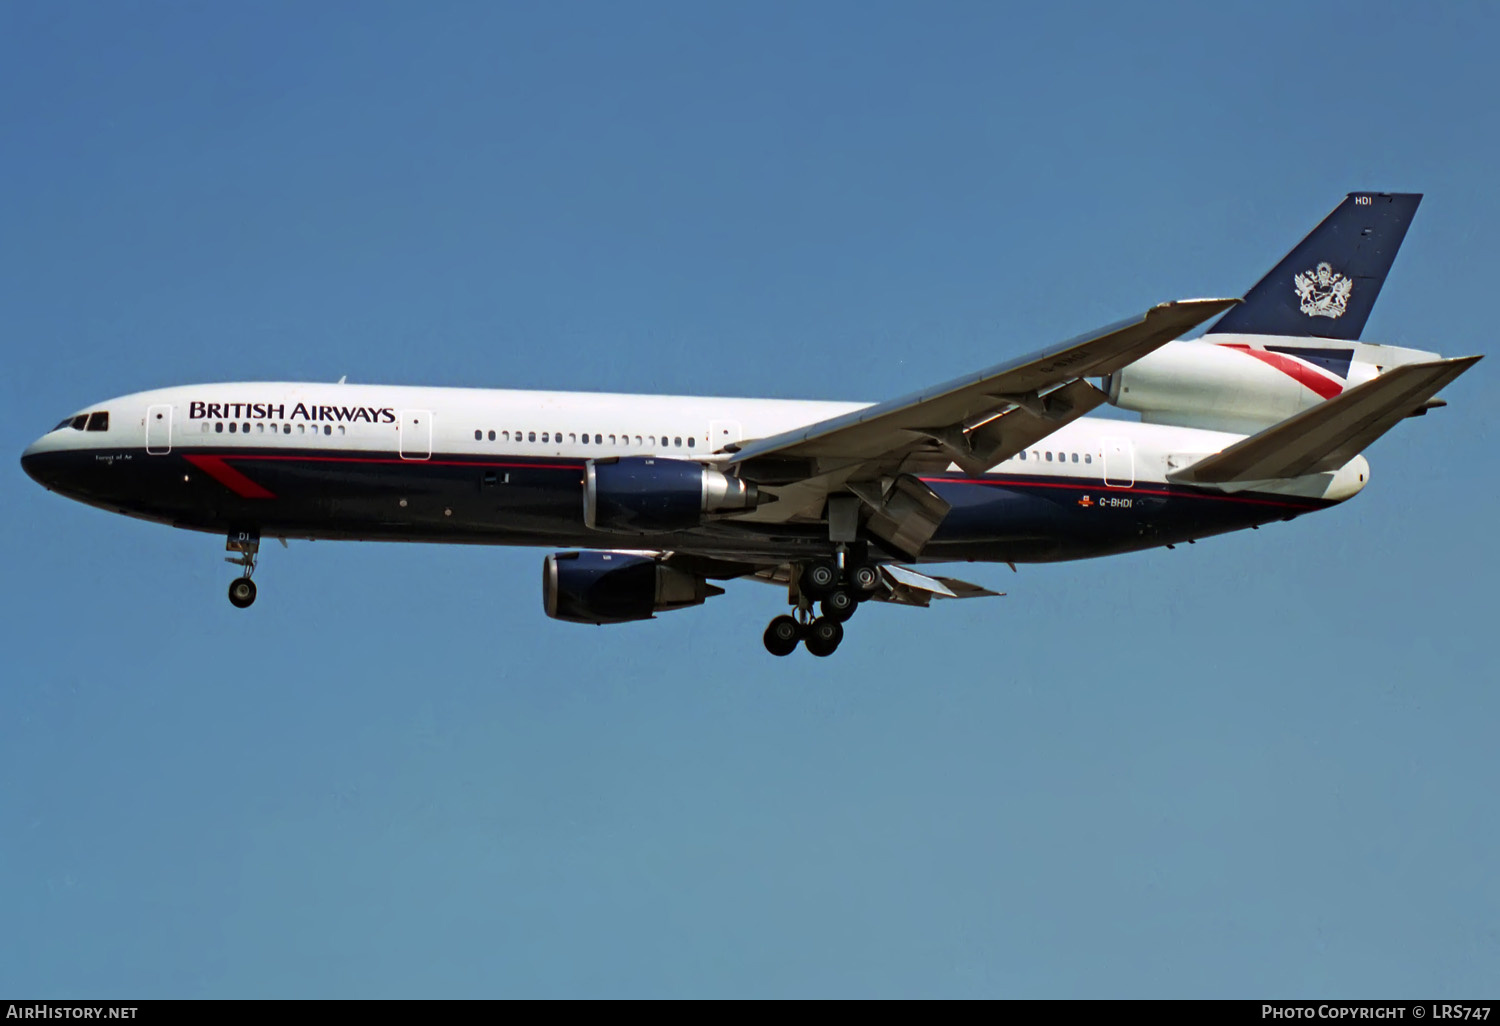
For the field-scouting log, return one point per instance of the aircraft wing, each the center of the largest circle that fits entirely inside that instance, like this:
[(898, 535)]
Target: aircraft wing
[(975, 421), (1332, 433)]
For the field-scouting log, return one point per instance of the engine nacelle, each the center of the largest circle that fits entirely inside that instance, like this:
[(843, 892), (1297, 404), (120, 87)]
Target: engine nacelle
[(647, 494), (1237, 385), (616, 587)]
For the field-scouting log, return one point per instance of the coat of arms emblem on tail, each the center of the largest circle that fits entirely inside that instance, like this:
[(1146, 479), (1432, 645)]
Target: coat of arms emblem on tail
[(1323, 291)]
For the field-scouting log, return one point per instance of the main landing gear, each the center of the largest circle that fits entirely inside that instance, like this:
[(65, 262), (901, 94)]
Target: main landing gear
[(242, 588), (838, 590), (821, 635)]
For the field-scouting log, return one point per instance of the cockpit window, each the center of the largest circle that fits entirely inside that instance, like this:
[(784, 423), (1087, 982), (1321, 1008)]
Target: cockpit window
[(79, 421), (63, 423), (98, 421)]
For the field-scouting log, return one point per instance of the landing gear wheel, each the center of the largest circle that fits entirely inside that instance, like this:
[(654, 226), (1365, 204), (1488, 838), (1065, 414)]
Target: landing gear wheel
[(782, 636), (241, 592), (865, 578), (823, 636), (818, 578), (839, 604)]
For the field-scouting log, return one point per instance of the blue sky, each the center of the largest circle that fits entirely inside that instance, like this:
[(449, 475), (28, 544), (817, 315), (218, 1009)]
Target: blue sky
[(1260, 765)]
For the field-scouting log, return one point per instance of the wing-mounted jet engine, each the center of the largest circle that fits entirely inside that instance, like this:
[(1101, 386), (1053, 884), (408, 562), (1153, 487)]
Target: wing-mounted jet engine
[(617, 587), (648, 494)]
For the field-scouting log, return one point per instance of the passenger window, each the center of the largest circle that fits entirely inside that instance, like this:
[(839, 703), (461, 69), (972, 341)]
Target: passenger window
[(98, 422), (531, 436), (1023, 455), (1049, 457), (585, 439), (478, 435), (677, 442), (691, 442), (205, 427), (341, 429), (286, 429), (219, 428), (1087, 458), (652, 440), (233, 427), (328, 429), (492, 435), (505, 436), (1075, 457), (611, 439), (637, 439)]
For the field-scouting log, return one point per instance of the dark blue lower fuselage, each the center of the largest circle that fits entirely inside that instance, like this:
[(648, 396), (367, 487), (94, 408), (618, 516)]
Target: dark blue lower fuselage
[(530, 501)]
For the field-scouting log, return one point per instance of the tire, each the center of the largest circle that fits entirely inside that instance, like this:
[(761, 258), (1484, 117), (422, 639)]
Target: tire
[(865, 578), (782, 635), (839, 604), (823, 636), (819, 578), (241, 592)]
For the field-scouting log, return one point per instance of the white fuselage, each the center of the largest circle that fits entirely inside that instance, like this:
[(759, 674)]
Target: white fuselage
[(426, 423)]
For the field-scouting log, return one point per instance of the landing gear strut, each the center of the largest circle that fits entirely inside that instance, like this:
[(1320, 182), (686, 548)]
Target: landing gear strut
[(242, 588)]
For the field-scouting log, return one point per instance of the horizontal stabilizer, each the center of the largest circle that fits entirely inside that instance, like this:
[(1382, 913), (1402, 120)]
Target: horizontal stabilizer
[(1329, 435)]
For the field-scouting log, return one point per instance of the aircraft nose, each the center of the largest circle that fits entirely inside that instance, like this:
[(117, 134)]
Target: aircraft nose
[(35, 462)]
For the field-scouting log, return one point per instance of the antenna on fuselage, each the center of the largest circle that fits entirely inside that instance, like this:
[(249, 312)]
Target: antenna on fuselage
[(343, 379)]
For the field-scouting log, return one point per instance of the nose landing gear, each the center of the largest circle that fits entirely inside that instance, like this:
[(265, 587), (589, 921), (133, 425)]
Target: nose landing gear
[(242, 588)]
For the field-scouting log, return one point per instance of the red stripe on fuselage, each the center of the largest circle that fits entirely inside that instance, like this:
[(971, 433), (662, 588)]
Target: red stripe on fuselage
[(1323, 385), (216, 468), (241, 485), (1117, 490)]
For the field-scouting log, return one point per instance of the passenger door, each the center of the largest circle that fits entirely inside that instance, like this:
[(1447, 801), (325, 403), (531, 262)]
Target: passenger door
[(159, 429), (1119, 463), (416, 434)]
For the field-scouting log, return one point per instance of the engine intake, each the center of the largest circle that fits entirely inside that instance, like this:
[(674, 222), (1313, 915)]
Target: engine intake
[(645, 494), (616, 587)]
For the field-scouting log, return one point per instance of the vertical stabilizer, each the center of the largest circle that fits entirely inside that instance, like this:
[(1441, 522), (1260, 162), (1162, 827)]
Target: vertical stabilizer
[(1327, 286)]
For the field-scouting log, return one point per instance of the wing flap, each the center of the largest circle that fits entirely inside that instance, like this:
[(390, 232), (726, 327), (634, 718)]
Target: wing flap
[(1329, 435), (904, 586)]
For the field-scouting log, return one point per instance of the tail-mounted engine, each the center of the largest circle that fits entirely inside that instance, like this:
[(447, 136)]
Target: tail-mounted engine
[(645, 494), (616, 587), (1235, 383)]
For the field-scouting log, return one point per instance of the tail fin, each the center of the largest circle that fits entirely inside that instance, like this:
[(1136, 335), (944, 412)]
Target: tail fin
[(1327, 286)]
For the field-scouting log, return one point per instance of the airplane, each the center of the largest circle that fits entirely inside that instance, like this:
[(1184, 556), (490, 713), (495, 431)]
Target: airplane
[(653, 497)]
